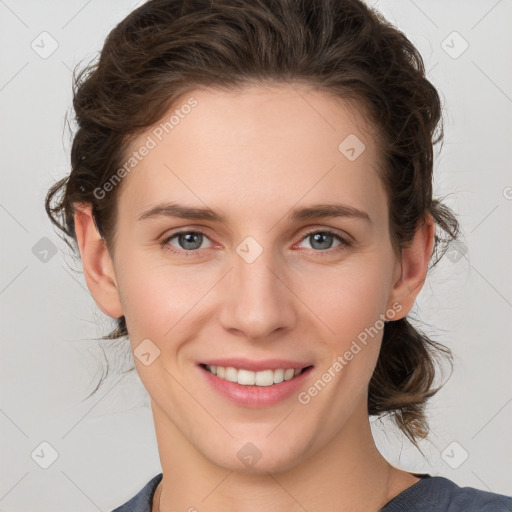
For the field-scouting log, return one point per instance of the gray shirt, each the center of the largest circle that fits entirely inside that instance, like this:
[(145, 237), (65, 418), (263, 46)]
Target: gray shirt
[(430, 494)]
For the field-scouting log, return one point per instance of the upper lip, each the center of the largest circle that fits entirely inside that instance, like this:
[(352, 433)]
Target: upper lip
[(256, 366)]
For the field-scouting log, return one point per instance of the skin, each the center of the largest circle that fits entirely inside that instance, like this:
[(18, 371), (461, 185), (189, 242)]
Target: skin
[(253, 156)]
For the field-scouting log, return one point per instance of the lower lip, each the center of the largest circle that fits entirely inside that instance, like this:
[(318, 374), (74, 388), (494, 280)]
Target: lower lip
[(256, 396)]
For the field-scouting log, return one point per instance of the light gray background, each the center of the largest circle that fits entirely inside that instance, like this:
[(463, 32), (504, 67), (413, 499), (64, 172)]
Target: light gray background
[(49, 360)]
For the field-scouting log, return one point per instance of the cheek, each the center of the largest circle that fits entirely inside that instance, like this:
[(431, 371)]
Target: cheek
[(163, 302), (351, 304), (154, 296), (349, 298)]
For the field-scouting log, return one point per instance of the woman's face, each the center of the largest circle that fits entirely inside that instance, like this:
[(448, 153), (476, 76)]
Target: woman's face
[(260, 286)]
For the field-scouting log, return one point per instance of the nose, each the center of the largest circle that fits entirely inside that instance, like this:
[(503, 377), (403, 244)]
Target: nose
[(258, 301)]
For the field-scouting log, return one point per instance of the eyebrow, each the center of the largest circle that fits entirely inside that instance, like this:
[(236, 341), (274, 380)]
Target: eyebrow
[(297, 214)]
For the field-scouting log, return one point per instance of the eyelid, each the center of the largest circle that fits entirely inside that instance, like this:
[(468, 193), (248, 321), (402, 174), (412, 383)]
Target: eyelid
[(346, 241), (326, 229), (168, 236), (307, 231)]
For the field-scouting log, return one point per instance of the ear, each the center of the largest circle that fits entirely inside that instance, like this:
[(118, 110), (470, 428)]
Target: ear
[(411, 270), (97, 263)]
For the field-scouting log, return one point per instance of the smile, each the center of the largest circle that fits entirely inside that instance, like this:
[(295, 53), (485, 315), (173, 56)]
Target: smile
[(261, 378)]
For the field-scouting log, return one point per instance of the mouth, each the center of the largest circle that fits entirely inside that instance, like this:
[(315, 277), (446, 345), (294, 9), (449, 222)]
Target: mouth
[(262, 378)]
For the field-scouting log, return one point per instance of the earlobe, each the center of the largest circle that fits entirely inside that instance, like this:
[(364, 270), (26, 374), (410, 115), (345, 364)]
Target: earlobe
[(413, 266), (97, 263)]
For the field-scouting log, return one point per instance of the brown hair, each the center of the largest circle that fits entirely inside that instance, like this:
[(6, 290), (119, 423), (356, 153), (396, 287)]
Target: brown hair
[(168, 47)]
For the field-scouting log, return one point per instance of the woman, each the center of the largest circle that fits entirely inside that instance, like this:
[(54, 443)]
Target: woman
[(251, 196)]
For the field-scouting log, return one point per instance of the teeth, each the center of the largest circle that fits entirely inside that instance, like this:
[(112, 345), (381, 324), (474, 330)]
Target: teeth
[(264, 378), (249, 378), (231, 374), (278, 376), (246, 377)]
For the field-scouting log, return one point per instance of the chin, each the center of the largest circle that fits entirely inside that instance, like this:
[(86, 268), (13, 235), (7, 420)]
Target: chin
[(258, 457)]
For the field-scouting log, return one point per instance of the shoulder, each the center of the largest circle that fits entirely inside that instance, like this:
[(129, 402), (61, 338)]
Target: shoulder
[(444, 495), (143, 500)]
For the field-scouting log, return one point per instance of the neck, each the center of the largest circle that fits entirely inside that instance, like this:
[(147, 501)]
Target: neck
[(348, 473)]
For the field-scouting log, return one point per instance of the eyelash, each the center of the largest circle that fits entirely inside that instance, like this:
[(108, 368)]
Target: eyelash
[(345, 244)]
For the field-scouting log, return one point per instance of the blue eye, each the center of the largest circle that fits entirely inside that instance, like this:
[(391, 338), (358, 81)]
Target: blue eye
[(321, 239), (190, 242)]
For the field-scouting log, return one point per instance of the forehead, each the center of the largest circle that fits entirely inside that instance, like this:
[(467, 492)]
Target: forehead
[(256, 147)]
